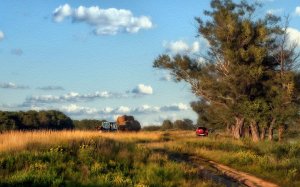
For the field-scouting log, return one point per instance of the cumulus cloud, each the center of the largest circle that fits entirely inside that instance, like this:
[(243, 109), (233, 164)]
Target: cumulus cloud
[(17, 52), (181, 46), (69, 97), (293, 35), (104, 21), (1, 35), (78, 110), (11, 85), (175, 107), (142, 89), (49, 88), (74, 109), (61, 12), (297, 11)]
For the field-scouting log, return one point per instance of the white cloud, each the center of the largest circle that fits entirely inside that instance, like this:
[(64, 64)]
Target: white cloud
[(77, 110), (62, 12), (142, 89), (1, 35), (181, 46), (49, 88), (294, 35), (174, 107), (275, 11), (121, 109), (70, 97), (297, 11), (11, 85), (104, 21)]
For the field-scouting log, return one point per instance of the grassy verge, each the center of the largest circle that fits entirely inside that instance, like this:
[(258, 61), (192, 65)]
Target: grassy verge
[(89, 159), (277, 162)]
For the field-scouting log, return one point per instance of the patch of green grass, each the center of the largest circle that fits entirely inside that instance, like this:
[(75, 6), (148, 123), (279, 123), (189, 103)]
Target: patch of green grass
[(94, 162), (274, 161)]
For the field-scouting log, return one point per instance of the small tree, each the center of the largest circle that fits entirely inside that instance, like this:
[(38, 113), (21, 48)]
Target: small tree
[(167, 124)]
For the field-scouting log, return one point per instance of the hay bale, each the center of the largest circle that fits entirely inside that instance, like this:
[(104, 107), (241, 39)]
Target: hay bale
[(129, 118), (133, 126), (121, 120)]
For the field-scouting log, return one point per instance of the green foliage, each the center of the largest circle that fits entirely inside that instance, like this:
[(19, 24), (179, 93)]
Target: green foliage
[(167, 124), (87, 124), (33, 120), (249, 71), (151, 128)]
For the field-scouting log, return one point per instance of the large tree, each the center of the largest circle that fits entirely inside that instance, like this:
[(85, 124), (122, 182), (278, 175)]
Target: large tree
[(247, 75)]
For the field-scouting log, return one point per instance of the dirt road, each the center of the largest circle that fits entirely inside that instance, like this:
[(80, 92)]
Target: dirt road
[(218, 172)]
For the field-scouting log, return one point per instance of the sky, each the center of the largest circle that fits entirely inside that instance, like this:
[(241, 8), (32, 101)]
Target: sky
[(93, 59)]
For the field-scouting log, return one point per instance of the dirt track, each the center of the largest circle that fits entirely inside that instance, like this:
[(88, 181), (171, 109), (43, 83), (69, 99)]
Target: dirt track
[(218, 172)]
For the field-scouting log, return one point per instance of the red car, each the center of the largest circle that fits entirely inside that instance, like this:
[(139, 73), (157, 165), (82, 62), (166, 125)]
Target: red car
[(202, 131)]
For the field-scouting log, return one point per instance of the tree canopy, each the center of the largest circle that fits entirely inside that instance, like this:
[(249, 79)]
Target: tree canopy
[(248, 76), (33, 120)]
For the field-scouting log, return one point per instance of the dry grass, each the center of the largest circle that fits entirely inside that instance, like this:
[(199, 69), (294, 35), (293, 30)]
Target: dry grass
[(18, 140)]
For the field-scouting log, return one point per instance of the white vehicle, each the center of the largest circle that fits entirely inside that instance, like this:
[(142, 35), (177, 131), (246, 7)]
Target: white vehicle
[(109, 126)]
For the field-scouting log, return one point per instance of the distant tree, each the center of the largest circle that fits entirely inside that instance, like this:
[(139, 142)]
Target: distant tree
[(33, 120), (151, 128), (87, 124), (185, 124), (167, 124)]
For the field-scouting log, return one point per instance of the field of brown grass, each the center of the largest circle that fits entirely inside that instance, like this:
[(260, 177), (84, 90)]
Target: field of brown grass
[(18, 140)]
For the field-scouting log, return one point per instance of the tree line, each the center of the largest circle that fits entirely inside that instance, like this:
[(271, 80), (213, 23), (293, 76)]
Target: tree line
[(185, 124), (33, 120), (247, 79)]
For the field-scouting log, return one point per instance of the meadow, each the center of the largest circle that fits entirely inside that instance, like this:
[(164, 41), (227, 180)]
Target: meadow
[(90, 158)]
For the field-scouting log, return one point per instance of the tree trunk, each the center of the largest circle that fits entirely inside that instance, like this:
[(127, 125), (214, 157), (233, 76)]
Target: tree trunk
[(280, 132), (271, 128), (228, 129), (263, 133), (254, 131), (238, 128)]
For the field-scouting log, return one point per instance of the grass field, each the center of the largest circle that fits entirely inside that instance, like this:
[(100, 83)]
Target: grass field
[(82, 158), (89, 158)]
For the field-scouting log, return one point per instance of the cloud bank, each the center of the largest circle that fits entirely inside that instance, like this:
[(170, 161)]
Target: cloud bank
[(11, 85), (104, 21), (76, 110), (69, 97), (50, 88)]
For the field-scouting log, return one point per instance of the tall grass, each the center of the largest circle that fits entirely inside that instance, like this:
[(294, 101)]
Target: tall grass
[(18, 140), (274, 161), (86, 158)]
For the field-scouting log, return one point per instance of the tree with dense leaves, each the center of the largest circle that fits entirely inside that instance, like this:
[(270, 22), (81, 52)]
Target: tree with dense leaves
[(33, 120), (248, 76), (167, 124)]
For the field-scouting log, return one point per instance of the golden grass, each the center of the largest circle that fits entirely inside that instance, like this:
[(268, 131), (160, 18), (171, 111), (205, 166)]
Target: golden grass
[(18, 140)]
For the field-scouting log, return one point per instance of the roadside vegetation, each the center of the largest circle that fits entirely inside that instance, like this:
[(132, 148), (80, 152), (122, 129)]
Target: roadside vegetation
[(53, 158), (82, 158), (278, 162)]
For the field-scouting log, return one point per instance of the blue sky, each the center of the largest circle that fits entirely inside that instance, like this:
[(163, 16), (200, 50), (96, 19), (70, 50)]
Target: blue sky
[(93, 59)]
